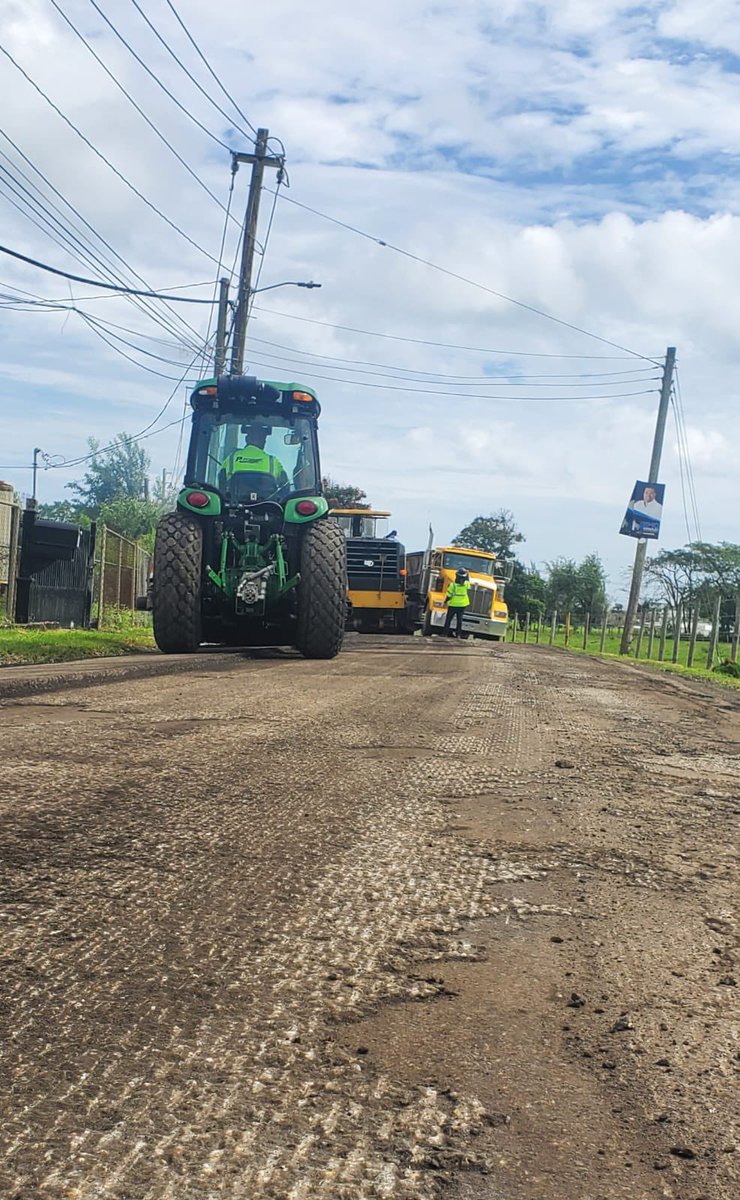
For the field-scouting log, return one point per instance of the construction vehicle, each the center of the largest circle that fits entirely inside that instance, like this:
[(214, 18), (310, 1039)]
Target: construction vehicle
[(249, 557), (429, 574), (376, 572)]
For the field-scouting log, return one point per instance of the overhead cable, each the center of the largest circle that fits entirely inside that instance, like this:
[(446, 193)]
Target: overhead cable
[(132, 187), (462, 278), (111, 287), (190, 76), (143, 305), (138, 108), (396, 337), (208, 66), (596, 379), (153, 75)]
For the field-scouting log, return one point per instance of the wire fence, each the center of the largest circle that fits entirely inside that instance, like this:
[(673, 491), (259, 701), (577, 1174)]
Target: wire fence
[(122, 569), (691, 637)]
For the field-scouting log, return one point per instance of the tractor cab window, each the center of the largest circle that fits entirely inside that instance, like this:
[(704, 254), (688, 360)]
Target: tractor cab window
[(256, 457), (361, 525)]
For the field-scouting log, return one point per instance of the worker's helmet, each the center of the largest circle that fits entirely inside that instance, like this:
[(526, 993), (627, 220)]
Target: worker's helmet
[(461, 575), (258, 429)]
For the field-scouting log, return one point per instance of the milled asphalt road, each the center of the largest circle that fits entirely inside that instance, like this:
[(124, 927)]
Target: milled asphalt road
[(426, 920)]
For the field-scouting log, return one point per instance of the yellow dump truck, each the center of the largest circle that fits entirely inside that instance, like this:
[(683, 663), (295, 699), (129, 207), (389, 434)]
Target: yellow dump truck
[(429, 574)]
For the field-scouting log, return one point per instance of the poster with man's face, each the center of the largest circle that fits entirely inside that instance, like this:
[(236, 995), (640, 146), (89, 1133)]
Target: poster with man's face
[(645, 508)]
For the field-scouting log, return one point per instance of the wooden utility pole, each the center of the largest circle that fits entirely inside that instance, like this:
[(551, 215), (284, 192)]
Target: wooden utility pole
[(259, 160), (219, 362), (641, 549)]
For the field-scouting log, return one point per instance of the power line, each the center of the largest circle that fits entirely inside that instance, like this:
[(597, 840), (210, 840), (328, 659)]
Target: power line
[(138, 108), (144, 306), (683, 447), (208, 66), (395, 337), (110, 287), (102, 157), (462, 278), (386, 387), (190, 76), (157, 80), (596, 379)]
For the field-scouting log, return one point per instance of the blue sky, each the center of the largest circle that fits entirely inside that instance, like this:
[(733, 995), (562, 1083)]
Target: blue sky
[(579, 158)]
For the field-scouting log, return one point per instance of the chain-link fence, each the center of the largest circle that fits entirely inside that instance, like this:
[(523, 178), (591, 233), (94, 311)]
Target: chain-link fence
[(122, 569)]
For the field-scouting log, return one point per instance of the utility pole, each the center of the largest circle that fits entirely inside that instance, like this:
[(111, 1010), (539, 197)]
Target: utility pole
[(219, 361), (641, 549), (259, 160)]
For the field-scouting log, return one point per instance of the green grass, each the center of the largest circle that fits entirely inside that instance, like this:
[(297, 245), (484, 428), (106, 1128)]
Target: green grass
[(19, 645), (611, 650)]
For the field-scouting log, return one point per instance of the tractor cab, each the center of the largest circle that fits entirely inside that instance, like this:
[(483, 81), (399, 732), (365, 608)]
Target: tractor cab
[(254, 442), (362, 522)]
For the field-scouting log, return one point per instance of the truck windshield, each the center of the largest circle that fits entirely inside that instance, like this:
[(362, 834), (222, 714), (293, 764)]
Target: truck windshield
[(280, 446), (470, 562)]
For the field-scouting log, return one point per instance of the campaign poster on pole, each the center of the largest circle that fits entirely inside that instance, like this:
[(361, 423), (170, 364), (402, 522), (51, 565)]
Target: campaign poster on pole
[(644, 511)]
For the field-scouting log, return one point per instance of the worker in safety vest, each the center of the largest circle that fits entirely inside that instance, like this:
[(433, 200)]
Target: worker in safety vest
[(254, 459), (458, 599)]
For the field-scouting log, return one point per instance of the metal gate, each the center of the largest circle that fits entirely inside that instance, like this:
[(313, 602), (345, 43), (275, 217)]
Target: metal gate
[(56, 573)]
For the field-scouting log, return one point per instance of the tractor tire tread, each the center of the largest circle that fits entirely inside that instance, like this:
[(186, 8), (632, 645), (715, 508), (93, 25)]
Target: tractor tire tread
[(322, 592), (178, 554)]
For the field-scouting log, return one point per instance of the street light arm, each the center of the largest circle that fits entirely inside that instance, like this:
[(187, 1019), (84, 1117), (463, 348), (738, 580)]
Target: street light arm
[(286, 283)]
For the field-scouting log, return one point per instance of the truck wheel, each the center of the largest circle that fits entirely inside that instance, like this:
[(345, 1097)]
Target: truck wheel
[(322, 592), (426, 629), (176, 592)]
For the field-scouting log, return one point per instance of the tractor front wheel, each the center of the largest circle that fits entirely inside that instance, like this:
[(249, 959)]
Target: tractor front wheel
[(322, 592), (176, 591)]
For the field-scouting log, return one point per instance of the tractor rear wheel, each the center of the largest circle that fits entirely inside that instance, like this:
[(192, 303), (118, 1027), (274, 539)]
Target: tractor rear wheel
[(322, 592), (176, 593)]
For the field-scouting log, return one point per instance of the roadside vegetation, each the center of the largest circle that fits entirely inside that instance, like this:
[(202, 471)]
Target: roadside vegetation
[(723, 671), (122, 633)]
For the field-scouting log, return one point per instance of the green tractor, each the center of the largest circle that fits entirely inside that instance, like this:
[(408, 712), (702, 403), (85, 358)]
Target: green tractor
[(249, 557)]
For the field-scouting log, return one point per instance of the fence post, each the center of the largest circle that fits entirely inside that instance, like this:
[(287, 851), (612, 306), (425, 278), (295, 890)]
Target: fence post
[(119, 546), (638, 647), (651, 635), (567, 629), (692, 638), (586, 629), (553, 625), (712, 648), (539, 628), (736, 630), (663, 634), (526, 628), (101, 575), (13, 561), (678, 620), (604, 622)]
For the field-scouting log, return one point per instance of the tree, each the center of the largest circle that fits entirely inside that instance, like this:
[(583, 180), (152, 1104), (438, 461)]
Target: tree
[(343, 495), (676, 575), (562, 588), (118, 471), (525, 591), (496, 533), (591, 587), (63, 510), (132, 518)]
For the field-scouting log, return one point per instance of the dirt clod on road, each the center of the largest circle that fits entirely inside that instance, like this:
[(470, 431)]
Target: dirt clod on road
[(427, 920)]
